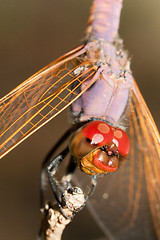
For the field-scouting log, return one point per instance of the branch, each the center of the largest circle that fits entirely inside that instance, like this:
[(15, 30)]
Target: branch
[(53, 221)]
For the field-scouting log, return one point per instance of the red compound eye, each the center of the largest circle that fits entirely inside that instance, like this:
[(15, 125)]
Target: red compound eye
[(99, 132), (121, 140)]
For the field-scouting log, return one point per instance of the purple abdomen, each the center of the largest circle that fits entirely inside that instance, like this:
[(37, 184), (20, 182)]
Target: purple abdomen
[(104, 19)]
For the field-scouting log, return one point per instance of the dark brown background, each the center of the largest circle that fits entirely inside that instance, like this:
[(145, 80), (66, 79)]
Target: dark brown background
[(32, 34)]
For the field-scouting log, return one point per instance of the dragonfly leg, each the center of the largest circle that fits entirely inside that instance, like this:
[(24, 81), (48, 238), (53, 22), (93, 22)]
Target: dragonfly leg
[(61, 188), (57, 187), (66, 180), (93, 187), (89, 194)]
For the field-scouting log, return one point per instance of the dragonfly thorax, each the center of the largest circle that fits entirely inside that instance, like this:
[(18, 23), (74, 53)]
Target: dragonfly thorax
[(108, 97), (103, 52)]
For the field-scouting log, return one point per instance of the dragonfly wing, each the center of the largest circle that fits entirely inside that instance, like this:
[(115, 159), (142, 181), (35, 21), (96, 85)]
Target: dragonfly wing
[(126, 203), (44, 95), (148, 140)]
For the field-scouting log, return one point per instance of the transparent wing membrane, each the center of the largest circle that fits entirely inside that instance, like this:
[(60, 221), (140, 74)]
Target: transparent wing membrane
[(40, 98), (148, 142)]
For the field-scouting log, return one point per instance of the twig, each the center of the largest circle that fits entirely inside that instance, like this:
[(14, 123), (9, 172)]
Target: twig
[(53, 221)]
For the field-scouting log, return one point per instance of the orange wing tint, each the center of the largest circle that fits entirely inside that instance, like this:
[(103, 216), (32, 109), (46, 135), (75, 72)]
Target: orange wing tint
[(40, 98), (147, 150)]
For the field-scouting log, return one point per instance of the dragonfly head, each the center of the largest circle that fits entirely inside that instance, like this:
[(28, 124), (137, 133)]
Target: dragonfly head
[(99, 148)]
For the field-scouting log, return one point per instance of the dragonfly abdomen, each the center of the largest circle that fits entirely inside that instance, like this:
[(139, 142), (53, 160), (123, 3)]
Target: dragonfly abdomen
[(103, 22)]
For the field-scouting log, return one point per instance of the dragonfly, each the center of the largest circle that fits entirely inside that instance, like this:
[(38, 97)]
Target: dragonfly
[(96, 81)]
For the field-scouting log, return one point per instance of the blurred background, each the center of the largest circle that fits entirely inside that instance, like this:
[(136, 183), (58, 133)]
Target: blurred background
[(32, 34)]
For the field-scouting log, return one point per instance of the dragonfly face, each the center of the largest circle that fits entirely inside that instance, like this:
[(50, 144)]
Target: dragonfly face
[(99, 147)]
